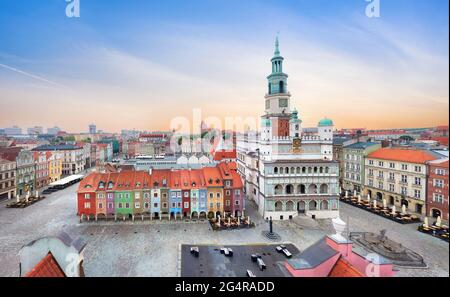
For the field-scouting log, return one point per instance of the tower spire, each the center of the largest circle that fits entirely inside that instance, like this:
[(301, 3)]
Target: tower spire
[(277, 46)]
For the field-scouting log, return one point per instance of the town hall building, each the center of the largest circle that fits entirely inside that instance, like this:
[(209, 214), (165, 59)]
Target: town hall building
[(288, 169)]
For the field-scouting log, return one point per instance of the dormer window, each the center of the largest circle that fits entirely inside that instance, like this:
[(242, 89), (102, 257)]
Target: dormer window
[(217, 181), (87, 186), (101, 185), (155, 184), (110, 185), (194, 184), (138, 184), (210, 181), (164, 182)]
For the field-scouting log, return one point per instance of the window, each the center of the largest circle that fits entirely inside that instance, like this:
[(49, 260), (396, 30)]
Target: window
[(87, 196), (218, 195), (146, 204), (380, 174), (120, 205), (87, 205), (227, 202), (404, 167), (186, 204), (417, 181), (440, 171), (137, 205), (404, 179), (416, 193), (439, 183), (237, 202), (404, 191), (371, 172), (110, 205), (283, 102), (186, 194), (381, 164), (380, 185), (228, 192), (127, 205), (391, 188), (439, 198), (417, 168), (155, 205), (371, 182), (227, 183), (218, 204), (211, 195), (391, 176), (237, 192), (211, 205), (137, 195), (165, 205)]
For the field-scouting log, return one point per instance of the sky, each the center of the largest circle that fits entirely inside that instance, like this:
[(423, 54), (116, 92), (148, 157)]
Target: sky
[(140, 64)]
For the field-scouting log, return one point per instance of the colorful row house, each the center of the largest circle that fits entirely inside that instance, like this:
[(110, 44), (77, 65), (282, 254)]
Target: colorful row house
[(199, 193)]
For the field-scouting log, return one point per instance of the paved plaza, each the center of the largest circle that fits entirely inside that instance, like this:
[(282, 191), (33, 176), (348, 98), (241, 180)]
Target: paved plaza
[(152, 248)]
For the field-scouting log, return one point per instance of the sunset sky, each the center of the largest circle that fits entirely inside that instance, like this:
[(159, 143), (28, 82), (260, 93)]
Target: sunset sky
[(140, 63)]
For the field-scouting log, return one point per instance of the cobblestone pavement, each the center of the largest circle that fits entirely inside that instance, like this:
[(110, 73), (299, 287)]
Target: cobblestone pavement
[(151, 248)]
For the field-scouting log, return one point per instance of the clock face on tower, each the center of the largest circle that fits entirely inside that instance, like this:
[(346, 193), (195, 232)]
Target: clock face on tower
[(297, 143)]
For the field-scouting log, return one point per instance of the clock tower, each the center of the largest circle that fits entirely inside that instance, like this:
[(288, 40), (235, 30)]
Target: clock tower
[(278, 98)]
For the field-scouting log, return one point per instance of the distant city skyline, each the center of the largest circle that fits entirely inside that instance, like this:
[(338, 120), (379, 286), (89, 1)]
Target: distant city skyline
[(137, 65)]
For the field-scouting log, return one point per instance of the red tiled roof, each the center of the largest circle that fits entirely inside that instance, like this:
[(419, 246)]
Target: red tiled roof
[(232, 165), (404, 155), (213, 174), (237, 181), (47, 267), (223, 154), (344, 269)]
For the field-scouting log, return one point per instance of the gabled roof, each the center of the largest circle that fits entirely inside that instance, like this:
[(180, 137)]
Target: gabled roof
[(237, 181), (160, 176), (89, 183), (213, 177), (313, 256), (404, 155), (47, 267), (344, 269)]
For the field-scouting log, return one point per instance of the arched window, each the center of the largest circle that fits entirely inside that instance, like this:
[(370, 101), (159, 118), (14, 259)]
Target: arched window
[(321, 169), (303, 169), (309, 170), (327, 169), (270, 88), (301, 189), (312, 189), (278, 189), (312, 205), (324, 205), (292, 170), (289, 189), (289, 206), (324, 189), (281, 170), (287, 170), (278, 206), (315, 169), (275, 170), (297, 170)]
